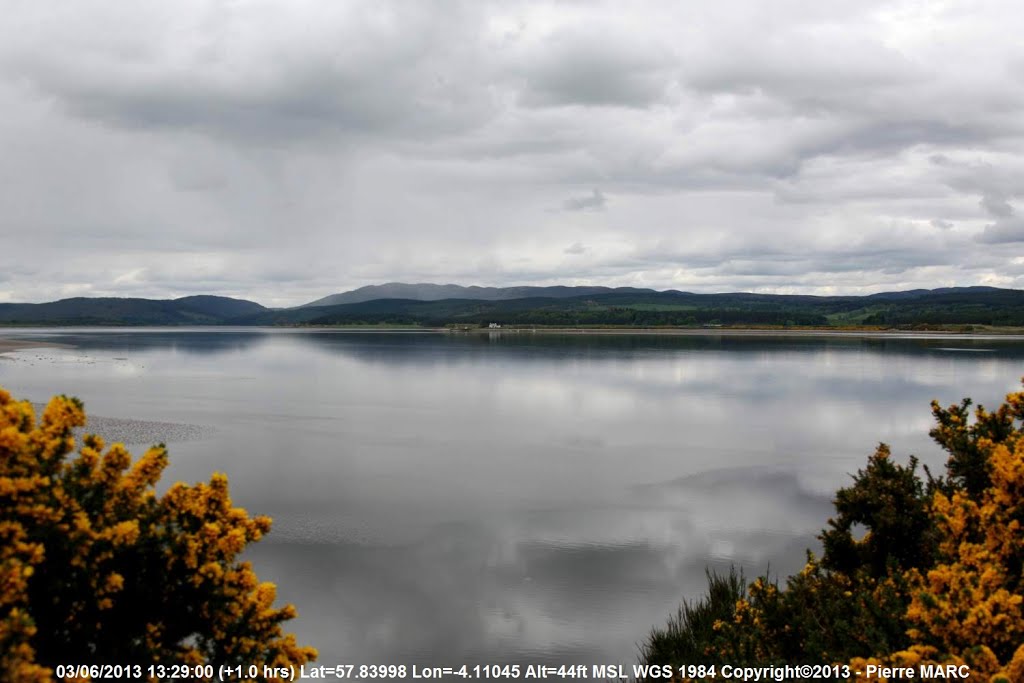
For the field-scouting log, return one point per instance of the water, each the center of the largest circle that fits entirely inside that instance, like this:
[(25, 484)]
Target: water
[(441, 500)]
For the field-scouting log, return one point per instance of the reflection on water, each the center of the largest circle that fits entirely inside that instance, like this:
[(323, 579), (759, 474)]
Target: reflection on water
[(515, 498)]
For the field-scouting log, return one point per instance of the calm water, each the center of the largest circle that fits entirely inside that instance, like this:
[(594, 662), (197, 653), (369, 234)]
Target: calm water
[(445, 500)]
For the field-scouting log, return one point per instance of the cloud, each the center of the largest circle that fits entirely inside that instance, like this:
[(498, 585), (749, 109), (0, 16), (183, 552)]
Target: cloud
[(1003, 231), (265, 76), (283, 154), (595, 201), (1008, 227), (996, 205), (804, 63), (594, 68)]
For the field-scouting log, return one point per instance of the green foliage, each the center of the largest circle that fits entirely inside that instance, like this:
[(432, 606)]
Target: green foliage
[(827, 616), (888, 500), (690, 636)]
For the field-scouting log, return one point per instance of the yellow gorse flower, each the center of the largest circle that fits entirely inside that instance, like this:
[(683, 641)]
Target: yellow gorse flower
[(91, 558)]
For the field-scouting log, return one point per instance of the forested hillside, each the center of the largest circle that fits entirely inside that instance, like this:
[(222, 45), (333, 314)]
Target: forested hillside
[(559, 307)]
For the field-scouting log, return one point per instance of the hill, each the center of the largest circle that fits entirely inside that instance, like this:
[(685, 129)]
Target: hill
[(948, 306), (432, 292), (552, 306), (190, 310)]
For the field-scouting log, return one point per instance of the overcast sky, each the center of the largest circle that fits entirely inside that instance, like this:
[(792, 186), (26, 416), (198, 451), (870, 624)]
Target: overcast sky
[(283, 151)]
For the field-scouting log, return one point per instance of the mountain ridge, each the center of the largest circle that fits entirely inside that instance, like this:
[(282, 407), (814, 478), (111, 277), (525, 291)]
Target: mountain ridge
[(427, 291), (202, 309), (631, 307), (552, 306)]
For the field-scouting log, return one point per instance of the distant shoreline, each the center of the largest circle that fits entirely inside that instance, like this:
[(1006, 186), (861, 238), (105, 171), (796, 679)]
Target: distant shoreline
[(1008, 333), (979, 332), (1014, 333)]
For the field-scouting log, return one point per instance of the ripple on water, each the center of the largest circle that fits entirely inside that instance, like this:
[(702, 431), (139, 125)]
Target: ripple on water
[(321, 530), (129, 431)]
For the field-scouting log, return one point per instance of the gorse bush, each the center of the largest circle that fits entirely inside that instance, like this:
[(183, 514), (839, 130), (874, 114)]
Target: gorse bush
[(96, 568), (938, 577), (692, 628)]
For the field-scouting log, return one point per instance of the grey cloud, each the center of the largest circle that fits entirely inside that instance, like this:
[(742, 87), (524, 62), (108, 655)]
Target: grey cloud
[(328, 145), (996, 205), (1003, 231), (193, 175), (811, 67), (998, 181), (368, 77), (300, 106), (588, 69), (996, 187), (872, 254), (595, 201)]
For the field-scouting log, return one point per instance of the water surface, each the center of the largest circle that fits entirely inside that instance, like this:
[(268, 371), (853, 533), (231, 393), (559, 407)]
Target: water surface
[(443, 499)]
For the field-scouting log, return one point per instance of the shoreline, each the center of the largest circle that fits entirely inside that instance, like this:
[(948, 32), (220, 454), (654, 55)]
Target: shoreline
[(1016, 334), (1011, 333), (983, 333)]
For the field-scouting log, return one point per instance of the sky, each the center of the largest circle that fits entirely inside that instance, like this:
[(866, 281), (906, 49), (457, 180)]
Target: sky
[(283, 151)]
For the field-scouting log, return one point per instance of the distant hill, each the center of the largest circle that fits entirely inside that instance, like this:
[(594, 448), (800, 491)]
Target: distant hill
[(553, 306), (432, 292), (637, 307), (923, 293), (190, 310)]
